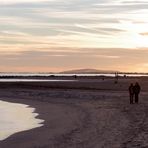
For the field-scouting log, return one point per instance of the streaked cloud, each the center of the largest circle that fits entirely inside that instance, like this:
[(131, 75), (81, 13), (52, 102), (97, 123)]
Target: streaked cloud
[(144, 33), (8, 2), (73, 34)]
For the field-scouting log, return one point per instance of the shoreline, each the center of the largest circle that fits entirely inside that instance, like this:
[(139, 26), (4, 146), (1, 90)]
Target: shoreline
[(79, 116), (85, 83)]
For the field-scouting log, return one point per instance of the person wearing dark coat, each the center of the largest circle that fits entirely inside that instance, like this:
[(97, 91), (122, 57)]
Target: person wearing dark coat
[(131, 92), (137, 89)]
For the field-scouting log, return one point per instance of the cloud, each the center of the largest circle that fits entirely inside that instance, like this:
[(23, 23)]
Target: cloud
[(107, 56), (101, 58), (144, 33), (5, 2), (134, 1), (73, 33), (13, 33)]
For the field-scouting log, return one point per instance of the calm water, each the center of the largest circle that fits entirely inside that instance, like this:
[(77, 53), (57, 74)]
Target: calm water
[(16, 118), (53, 80), (48, 74), (32, 80)]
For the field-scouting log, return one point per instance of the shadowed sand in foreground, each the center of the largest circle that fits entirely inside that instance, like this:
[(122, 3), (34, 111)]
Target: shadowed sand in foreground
[(82, 114)]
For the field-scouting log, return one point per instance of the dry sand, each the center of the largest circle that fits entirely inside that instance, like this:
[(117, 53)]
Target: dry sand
[(82, 114)]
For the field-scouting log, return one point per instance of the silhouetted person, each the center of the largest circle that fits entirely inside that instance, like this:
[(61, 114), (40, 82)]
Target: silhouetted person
[(116, 77), (137, 89), (75, 76), (131, 92)]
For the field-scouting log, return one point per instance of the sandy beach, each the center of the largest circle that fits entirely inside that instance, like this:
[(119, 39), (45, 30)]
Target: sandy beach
[(86, 113)]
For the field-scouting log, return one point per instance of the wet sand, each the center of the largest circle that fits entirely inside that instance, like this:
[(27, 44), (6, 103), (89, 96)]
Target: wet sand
[(88, 113)]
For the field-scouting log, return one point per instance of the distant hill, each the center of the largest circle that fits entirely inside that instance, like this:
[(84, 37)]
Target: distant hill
[(87, 71)]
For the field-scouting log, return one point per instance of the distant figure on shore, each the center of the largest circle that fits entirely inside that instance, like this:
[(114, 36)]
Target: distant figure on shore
[(75, 76), (137, 89), (131, 92), (116, 77)]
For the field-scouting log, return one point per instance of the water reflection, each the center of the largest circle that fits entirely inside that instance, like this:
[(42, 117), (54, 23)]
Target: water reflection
[(33, 80), (16, 118)]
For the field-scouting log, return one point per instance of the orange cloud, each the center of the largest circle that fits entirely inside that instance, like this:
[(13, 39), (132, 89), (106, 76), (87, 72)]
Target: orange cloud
[(144, 33), (30, 69)]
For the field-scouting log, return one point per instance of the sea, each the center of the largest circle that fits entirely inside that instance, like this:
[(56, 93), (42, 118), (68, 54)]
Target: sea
[(57, 74), (44, 77)]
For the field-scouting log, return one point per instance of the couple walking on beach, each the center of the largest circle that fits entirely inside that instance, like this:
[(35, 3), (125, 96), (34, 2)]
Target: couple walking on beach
[(134, 91)]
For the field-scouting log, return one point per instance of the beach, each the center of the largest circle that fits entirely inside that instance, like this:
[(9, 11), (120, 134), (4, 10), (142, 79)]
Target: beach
[(83, 113)]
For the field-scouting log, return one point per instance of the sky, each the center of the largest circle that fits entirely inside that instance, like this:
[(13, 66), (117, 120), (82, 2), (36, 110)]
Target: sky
[(59, 35)]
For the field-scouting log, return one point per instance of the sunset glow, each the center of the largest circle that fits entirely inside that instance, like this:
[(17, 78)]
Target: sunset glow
[(56, 35)]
